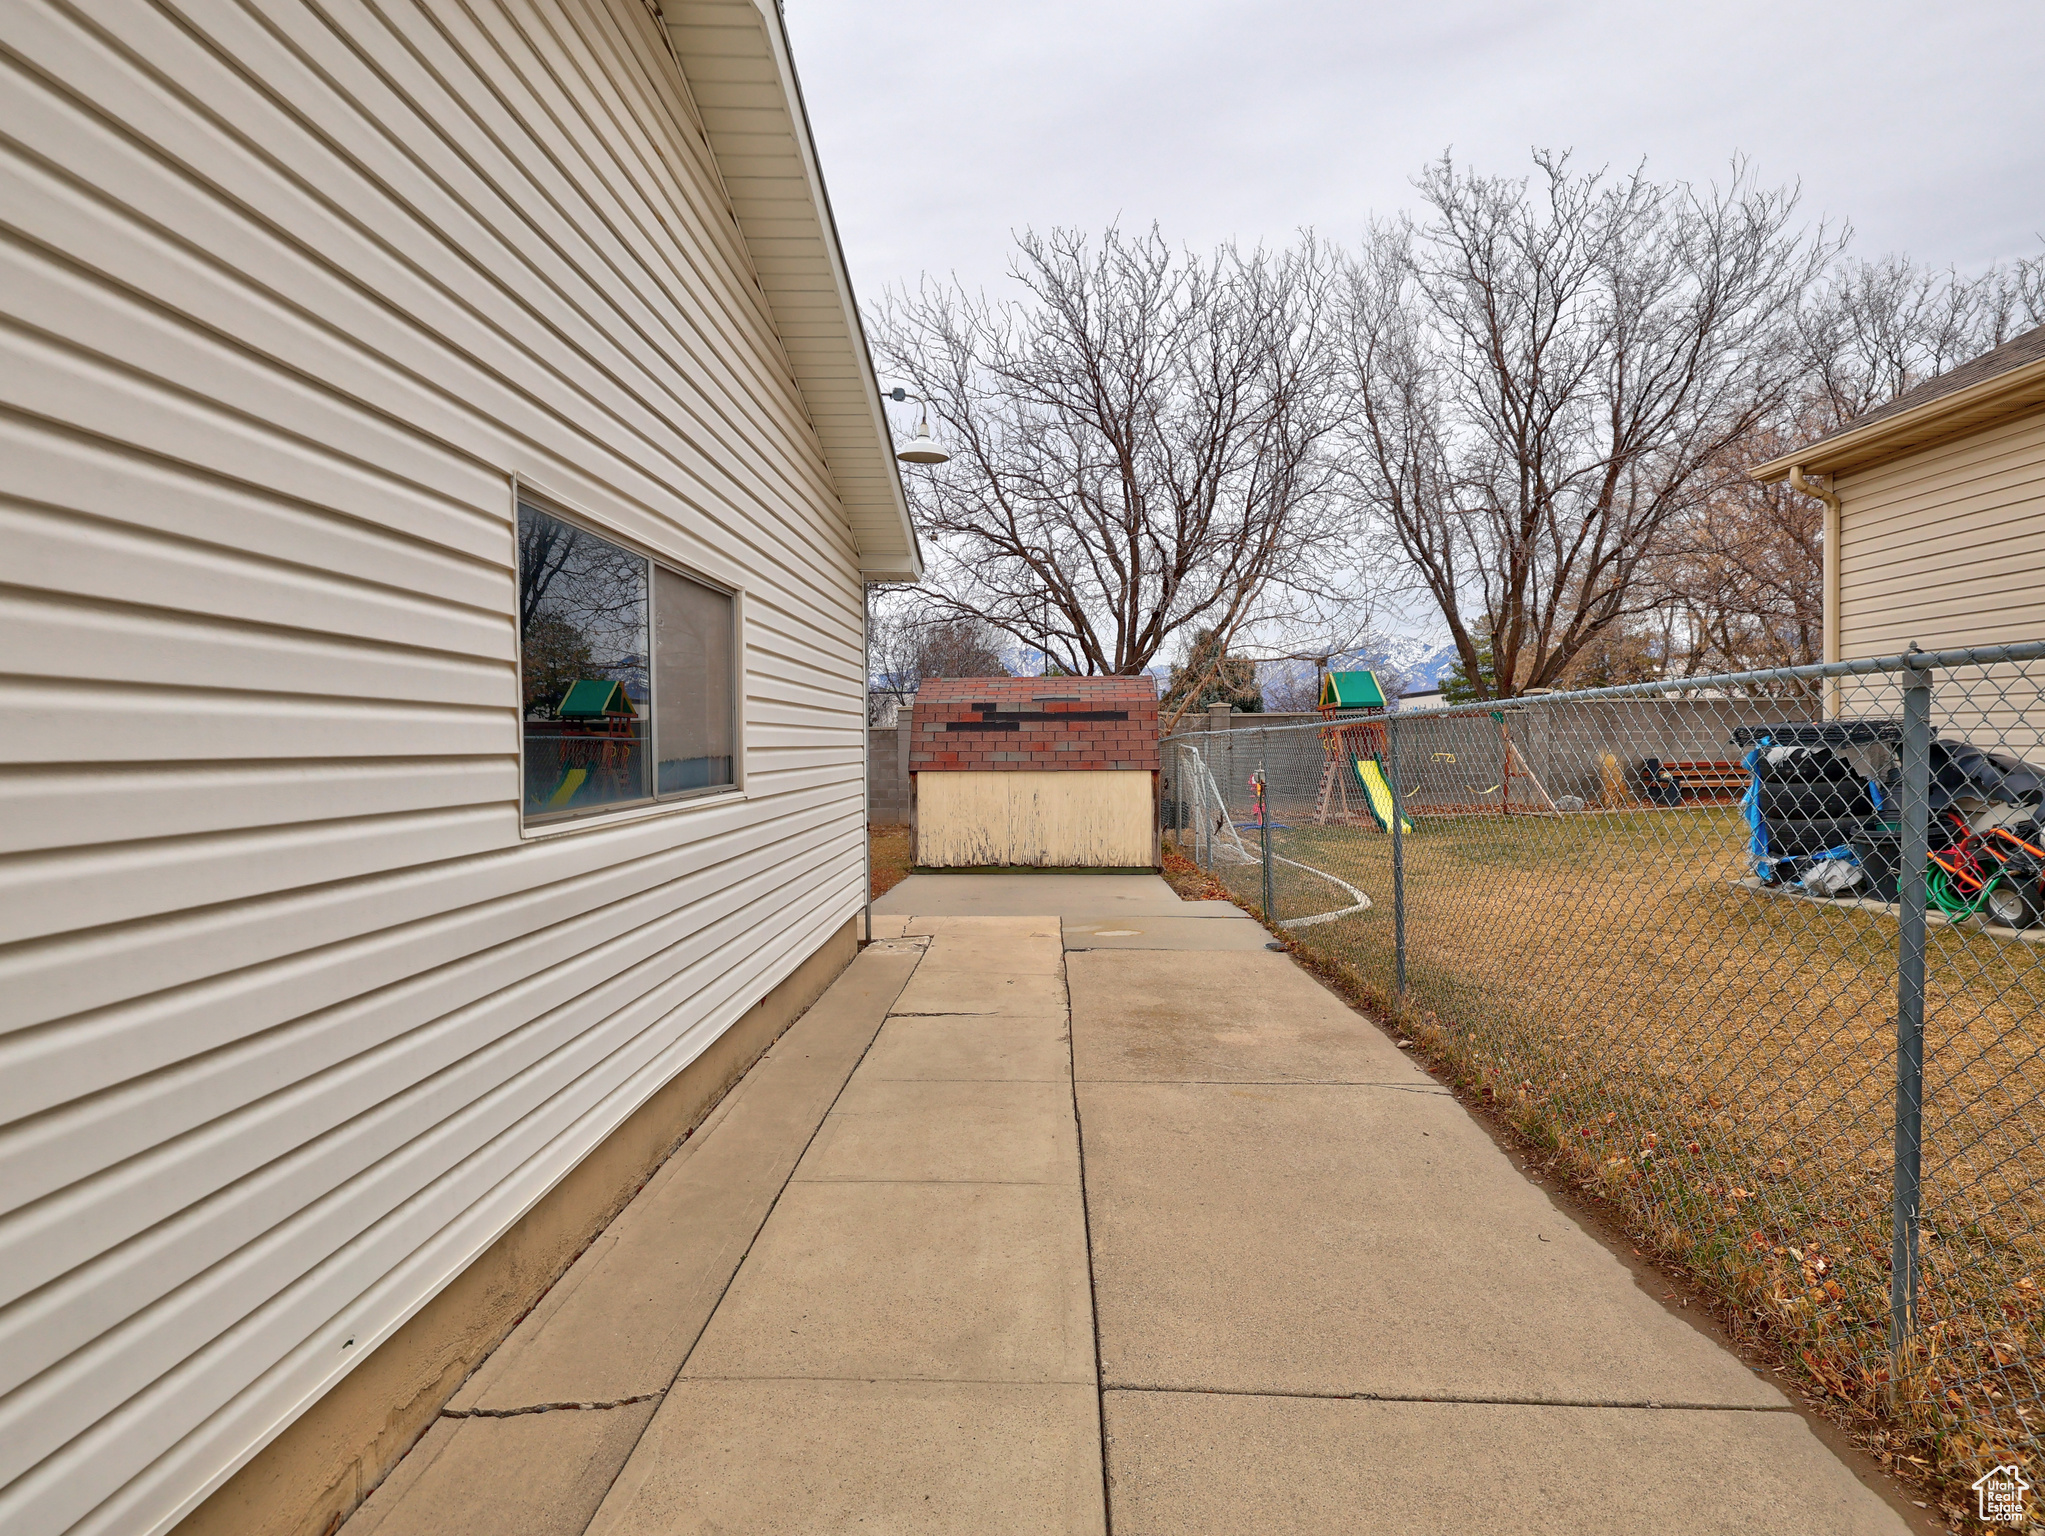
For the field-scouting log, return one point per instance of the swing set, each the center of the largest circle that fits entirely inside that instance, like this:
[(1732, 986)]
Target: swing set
[(1353, 743)]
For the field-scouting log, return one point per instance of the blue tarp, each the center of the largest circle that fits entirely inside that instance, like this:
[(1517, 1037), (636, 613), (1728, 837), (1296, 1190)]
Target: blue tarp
[(1750, 807)]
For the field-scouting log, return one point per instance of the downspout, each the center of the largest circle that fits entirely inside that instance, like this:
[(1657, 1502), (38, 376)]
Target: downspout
[(1830, 624), (866, 742)]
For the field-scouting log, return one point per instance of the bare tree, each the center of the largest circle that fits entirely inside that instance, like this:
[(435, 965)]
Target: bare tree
[(1741, 581), (1289, 686), (955, 646), (1210, 674), (582, 610), (1139, 447), (1541, 373), (1878, 327), (908, 642)]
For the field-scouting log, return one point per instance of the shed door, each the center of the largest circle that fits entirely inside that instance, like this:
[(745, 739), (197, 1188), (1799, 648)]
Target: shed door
[(1081, 819)]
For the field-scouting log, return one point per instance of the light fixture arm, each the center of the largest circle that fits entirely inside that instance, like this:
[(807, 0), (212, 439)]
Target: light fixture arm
[(924, 449), (899, 394)]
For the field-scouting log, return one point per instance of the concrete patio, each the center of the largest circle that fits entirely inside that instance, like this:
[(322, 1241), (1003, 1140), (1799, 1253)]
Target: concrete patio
[(1070, 1200)]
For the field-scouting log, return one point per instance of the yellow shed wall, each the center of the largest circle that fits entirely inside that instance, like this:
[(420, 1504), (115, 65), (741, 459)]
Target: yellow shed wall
[(1078, 819)]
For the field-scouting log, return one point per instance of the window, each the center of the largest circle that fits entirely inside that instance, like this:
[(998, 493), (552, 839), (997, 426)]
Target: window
[(692, 714), (627, 673)]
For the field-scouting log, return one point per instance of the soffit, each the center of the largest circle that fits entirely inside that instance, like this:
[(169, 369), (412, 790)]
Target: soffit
[(734, 56)]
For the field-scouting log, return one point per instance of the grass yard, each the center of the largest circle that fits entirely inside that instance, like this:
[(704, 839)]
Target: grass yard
[(1720, 1061), (889, 843)]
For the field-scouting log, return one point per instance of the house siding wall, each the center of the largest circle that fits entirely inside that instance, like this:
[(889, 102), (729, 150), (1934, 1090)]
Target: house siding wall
[(297, 1019), (1946, 546)]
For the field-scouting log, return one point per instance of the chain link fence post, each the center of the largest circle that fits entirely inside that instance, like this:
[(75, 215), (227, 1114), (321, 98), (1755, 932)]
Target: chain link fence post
[(1398, 855), (1912, 898), (1264, 836)]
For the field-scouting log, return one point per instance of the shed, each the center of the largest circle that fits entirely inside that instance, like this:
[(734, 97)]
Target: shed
[(1035, 772)]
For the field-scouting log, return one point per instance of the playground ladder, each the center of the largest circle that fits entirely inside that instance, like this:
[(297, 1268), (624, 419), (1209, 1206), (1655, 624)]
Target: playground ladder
[(1331, 786)]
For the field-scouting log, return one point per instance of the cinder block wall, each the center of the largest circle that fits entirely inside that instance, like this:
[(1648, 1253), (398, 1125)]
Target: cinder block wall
[(1453, 759), (887, 767)]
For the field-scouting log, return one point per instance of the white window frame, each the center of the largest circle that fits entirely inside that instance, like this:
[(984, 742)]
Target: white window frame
[(653, 805)]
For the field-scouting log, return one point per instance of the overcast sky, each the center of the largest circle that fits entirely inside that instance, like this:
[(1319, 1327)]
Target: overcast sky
[(943, 127)]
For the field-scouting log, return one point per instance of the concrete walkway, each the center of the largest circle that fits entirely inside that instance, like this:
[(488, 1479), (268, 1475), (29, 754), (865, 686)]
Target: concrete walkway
[(1106, 1218)]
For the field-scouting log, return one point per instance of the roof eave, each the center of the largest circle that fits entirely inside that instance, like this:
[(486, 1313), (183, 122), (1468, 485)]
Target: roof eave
[(724, 47), (1972, 409)]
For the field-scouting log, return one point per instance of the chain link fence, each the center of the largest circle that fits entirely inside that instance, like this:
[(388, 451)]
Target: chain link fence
[(1763, 955)]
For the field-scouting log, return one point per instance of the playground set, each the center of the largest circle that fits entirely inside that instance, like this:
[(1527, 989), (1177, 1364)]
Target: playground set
[(1353, 744), (594, 743)]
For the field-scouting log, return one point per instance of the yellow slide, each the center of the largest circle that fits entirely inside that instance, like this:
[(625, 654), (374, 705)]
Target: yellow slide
[(1378, 794)]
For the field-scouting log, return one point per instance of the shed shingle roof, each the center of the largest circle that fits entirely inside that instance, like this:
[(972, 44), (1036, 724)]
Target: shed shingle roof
[(1012, 724)]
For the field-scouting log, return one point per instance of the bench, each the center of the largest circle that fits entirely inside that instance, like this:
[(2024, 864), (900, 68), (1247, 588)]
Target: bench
[(1668, 782)]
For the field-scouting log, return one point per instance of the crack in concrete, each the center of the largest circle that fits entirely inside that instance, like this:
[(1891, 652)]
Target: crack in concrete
[(1432, 1089), (1025, 1018), (1458, 1400), (513, 1413)]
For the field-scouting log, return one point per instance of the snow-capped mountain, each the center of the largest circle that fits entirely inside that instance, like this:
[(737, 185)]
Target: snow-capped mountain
[(1416, 662), (1423, 661)]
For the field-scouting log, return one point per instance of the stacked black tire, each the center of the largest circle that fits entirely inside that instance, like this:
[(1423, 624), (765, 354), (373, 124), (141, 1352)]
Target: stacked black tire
[(1811, 800)]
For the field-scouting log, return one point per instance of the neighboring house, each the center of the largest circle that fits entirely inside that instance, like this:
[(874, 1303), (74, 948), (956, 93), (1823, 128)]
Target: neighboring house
[(1935, 510), (1418, 698), (442, 467)]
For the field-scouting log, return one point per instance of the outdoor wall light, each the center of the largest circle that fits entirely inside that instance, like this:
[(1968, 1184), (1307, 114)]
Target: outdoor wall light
[(923, 448)]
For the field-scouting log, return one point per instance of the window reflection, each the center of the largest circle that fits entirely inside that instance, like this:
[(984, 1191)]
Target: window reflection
[(583, 666)]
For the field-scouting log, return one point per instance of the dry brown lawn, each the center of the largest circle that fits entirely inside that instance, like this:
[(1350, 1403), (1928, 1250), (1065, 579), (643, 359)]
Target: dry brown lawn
[(890, 845), (1721, 1062)]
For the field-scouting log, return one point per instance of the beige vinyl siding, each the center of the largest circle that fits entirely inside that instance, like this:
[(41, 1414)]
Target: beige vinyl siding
[(297, 1018), (1946, 546)]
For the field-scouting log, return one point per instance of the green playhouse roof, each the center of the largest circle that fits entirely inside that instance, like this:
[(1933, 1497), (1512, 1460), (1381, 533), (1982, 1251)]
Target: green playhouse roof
[(1351, 690), (592, 698)]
